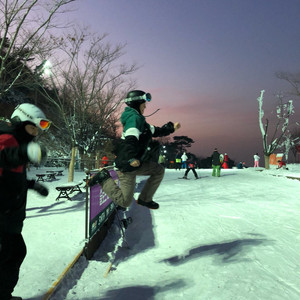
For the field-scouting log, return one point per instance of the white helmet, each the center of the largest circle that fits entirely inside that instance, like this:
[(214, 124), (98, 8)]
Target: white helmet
[(27, 112)]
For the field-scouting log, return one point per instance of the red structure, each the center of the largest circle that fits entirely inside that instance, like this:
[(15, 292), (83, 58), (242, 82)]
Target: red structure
[(225, 163), (104, 162)]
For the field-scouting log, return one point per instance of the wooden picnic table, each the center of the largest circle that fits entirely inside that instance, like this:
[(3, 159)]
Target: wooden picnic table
[(68, 188), (40, 177), (59, 172), (49, 175)]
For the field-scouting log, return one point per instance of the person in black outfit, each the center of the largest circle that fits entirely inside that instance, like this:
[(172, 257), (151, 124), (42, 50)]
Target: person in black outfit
[(17, 149), (190, 166), (216, 163)]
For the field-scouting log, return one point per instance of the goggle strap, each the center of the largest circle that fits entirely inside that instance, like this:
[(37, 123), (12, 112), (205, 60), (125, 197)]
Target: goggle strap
[(146, 97)]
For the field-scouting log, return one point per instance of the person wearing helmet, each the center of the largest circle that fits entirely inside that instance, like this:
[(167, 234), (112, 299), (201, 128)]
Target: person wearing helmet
[(17, 149), (135, 155)]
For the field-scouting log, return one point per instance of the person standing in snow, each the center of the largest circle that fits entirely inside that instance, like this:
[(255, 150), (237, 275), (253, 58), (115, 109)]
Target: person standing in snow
[(256, 160), (184, 158), (17, 149), (177, 162), (190, 166), (216, 163), (161, 160), (136, 155)]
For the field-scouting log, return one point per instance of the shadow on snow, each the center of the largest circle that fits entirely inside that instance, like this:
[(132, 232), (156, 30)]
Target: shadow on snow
[(229, 252)]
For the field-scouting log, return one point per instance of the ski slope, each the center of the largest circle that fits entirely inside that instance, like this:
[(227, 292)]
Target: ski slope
[(233, 237)]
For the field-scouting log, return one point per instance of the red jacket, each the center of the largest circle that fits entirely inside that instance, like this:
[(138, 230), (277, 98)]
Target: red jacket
[(280, 164), (191, 165), (13, 182), (105, 160)]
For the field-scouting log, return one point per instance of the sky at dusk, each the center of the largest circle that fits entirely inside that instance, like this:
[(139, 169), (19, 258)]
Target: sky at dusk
[(205, 62)]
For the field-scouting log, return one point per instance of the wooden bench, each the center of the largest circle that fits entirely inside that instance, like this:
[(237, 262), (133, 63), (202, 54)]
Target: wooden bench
[(68, 188), (51, 175), (40, 177), (59, 172)]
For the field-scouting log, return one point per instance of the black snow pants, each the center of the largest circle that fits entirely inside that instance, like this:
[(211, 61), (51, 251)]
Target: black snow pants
[(189, 169), (12, 254)]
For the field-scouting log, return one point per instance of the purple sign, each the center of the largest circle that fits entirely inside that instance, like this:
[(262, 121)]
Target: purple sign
[(100, 205)]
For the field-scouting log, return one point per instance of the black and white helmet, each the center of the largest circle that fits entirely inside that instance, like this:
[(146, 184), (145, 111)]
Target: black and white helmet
[(27, 112), (137, 97)]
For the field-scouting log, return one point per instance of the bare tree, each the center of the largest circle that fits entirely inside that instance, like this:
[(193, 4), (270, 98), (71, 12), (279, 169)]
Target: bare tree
[(284, 111), (89, 84), (295, 138), (23, 28), (288, 144), (293, 80), (291, 140)]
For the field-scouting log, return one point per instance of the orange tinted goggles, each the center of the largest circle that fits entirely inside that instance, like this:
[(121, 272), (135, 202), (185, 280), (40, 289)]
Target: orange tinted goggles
[(44, 124)]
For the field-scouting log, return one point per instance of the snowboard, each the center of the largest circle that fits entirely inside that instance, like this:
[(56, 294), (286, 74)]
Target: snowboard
[(123, 223), (187, 178)]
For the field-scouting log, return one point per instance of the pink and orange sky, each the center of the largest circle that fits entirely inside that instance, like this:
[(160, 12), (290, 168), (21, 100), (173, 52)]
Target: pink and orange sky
[(205, 62)]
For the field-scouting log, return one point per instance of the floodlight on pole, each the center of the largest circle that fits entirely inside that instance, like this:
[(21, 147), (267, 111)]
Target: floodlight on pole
[(43, 69), (47, 68)]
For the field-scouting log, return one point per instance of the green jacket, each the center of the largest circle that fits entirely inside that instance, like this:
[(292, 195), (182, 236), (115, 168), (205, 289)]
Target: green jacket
[(136, 141)]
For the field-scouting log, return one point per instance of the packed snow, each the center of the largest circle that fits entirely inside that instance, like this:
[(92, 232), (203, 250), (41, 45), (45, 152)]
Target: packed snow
[(232, 237)]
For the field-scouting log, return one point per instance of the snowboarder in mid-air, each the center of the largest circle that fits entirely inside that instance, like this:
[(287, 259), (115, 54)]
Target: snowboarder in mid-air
[(136, 154)]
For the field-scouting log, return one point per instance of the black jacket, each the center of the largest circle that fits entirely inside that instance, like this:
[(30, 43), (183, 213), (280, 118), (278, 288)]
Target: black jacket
[(13, 181), (215, 158), (142, 147)]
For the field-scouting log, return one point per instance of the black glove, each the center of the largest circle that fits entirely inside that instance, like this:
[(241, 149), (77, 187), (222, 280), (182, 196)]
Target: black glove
[(41, 189)]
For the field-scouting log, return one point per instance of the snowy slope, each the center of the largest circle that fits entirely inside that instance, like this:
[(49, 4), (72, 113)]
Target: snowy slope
[(233, 237)]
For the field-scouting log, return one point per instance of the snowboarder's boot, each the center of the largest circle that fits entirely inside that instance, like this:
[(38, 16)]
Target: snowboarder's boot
[(151, 204), (99, 178), (184, 177), (118, 207)]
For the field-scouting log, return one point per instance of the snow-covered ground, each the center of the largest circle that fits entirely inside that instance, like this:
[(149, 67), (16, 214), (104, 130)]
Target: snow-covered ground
[(233, 237)]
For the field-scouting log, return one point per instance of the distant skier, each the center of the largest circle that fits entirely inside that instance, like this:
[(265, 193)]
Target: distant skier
[(190, 166), (256, 160), (136, 155), (281, 164), (216, 163), (17, 149), (162, 160), (184, 158), (177, 162)]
